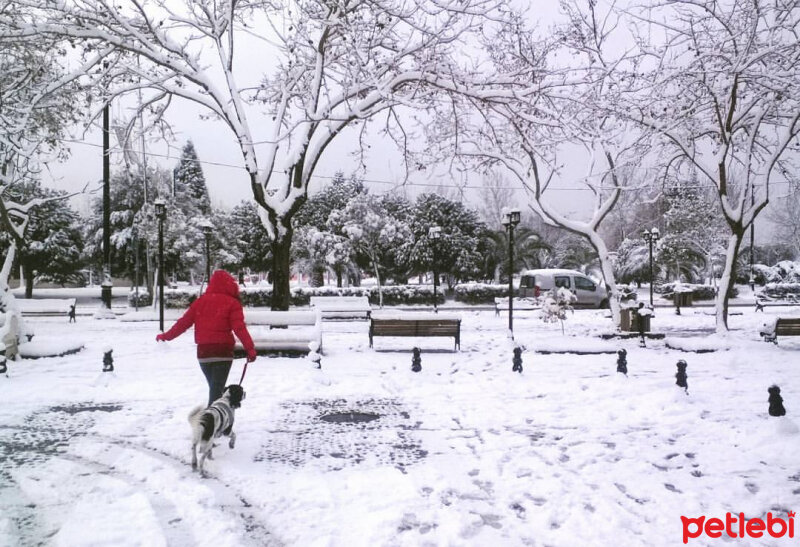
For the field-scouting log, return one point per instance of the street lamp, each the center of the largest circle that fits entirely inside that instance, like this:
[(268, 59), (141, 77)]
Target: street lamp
[(510, 220), (161, 213), (136, 269), (435, 233), (207, 227), (651, 236)]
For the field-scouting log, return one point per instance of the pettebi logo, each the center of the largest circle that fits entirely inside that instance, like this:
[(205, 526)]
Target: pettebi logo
[(735, 526)]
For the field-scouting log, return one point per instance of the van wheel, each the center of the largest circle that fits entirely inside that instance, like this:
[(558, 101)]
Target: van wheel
[(604, 304)]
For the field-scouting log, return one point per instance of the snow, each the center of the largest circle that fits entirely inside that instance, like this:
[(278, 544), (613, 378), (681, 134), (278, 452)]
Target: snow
[(466, 452)]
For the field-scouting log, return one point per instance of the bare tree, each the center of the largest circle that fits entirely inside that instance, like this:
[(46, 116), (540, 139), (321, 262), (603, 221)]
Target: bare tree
[(285, 77), (564, 84), (37, 102), (721, 87)]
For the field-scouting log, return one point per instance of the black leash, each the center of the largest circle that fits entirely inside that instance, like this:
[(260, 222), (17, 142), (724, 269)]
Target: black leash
[(244, 372)]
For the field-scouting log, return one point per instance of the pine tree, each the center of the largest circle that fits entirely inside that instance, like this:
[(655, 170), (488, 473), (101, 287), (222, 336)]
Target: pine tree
[(190, 183)]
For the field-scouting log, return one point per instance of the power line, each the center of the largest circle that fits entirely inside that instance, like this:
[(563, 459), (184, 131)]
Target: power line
[(418, 184)]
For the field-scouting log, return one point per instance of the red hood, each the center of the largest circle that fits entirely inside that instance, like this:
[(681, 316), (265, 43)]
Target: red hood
[(222, 282)]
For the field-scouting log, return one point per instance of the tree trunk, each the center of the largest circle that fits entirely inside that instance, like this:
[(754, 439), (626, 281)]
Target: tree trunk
[(29, 286), (339, 277), (378, 279), (317, 277), (281, 264), (608, 276), (728, 278)]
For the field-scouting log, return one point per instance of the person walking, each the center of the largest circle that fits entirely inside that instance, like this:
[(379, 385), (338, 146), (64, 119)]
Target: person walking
[(217, 315)]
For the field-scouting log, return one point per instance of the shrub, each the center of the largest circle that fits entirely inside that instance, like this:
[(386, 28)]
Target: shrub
[(144, 298), (479, 293)]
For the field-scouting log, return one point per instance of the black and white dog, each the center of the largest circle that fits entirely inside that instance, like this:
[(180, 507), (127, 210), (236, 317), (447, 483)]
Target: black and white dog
[(213, 422)]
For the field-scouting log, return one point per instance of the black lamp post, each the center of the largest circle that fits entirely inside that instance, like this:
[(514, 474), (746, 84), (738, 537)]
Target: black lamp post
[(207, 228), (161, 213), (510, 220), (435, 233), (106, 285), (136, 268), (651, 237)]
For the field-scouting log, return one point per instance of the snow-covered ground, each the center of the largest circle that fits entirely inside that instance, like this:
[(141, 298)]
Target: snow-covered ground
[(464, 453)]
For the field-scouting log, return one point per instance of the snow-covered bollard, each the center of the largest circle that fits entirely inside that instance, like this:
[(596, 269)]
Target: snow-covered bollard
[(313, 355), (416, 360), (517, 360), (681, 378), (776, 402), (108, 360), (622, 362)]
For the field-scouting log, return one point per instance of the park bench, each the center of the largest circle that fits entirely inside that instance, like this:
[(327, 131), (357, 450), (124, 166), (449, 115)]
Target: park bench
[(342, 307), (416, 325), (520, 304), (783, 326), (282, 331), (33, 307)]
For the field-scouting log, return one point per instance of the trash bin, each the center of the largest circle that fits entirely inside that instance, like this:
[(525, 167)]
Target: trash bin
[(625, 319)]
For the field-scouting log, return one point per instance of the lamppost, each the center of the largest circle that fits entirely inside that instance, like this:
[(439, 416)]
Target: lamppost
[(161, 213), (435, 233), (510, 220), (106, 285), (136, 268), (207, 227), (651, 236)]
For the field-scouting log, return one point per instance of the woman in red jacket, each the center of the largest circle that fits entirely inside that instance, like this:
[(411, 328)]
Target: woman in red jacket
[(216, 315)]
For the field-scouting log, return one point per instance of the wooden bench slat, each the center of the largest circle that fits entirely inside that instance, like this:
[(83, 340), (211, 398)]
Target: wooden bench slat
[(417, 327), (784, 326)]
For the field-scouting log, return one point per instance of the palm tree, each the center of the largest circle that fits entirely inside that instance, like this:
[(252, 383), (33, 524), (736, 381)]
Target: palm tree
[(529, 250)]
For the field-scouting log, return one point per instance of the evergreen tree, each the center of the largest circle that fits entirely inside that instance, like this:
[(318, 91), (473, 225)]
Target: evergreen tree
[(458, 251), (190, 183), (243, 241), (694, 233)]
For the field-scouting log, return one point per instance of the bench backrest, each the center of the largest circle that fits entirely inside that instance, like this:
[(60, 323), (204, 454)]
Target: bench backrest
[(434, 327), (282, 318), (44, 305), (331, 302), (787, 326)]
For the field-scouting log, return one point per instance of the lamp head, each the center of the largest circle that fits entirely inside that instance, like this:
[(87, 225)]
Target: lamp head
[(161, 208)]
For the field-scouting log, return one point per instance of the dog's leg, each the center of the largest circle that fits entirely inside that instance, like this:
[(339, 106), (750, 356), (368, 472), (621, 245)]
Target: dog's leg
[(202, 463), (232, 442), (194, 455)]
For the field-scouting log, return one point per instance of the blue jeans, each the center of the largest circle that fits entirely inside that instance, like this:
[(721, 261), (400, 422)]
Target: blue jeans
[(216, 374)]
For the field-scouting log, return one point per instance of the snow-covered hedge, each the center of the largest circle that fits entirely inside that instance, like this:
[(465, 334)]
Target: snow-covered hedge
[(699, 292), (480, 293), (781, 290), (144, 298), (261, 297), (785, 271)]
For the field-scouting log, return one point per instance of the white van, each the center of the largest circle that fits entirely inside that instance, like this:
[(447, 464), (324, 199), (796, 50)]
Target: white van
[(535, 283)]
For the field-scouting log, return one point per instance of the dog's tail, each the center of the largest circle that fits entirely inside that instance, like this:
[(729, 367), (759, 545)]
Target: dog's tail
[(207, 423), (196, 411)]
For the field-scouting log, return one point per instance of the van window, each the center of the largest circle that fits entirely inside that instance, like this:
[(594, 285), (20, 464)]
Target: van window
[(584, 284), (527, 281), (562, 281)]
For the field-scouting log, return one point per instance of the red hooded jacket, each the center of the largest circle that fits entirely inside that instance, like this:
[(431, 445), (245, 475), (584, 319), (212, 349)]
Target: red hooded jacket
[(216, 315)]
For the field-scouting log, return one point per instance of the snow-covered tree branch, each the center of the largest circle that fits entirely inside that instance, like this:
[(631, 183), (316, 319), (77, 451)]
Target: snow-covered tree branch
[(322, 67)]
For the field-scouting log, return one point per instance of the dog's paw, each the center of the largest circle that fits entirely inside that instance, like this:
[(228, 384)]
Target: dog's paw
[(231, 443)]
